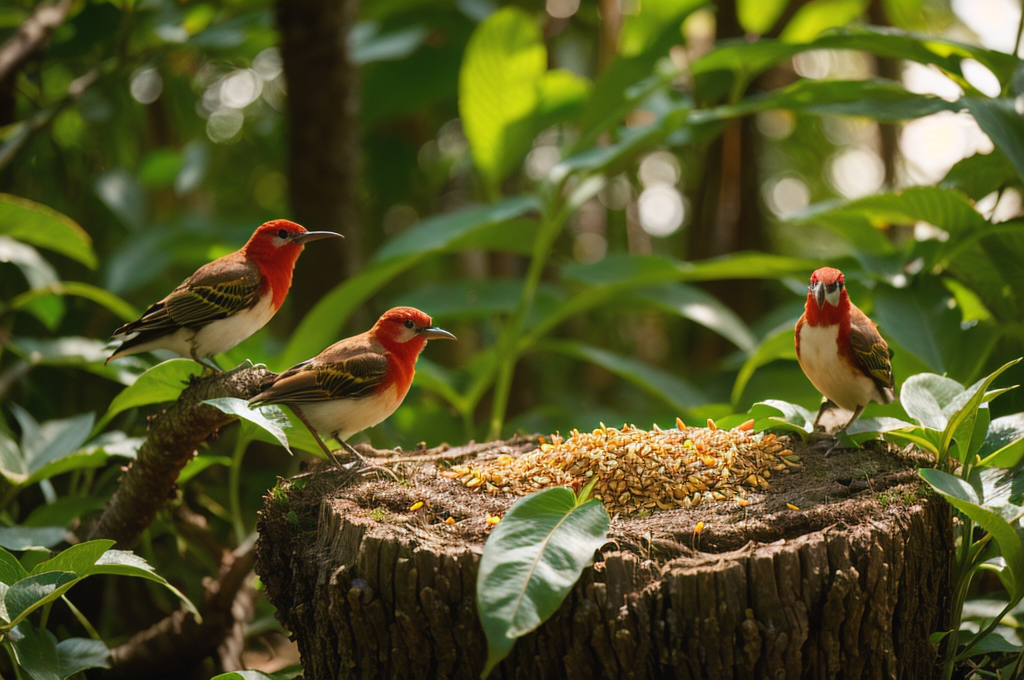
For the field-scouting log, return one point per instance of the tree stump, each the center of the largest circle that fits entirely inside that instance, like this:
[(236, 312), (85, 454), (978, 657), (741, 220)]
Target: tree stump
[(850, 585)]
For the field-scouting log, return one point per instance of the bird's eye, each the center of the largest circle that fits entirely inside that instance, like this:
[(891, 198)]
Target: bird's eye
[(282, 234), (409, 323)]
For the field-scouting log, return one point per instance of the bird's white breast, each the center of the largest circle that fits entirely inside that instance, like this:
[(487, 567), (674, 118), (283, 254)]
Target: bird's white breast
[(348, 416), (223, 334), (832, 375)]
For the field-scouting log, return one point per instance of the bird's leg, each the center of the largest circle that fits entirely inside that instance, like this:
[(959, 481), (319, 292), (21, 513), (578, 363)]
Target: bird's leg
[(312, 430), (842, 431), (243, 366), (208, 362), (367, 467), (819, 431)]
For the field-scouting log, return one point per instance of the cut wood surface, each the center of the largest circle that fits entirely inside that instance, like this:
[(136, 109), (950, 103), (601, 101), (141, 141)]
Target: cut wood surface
[(849, 585)]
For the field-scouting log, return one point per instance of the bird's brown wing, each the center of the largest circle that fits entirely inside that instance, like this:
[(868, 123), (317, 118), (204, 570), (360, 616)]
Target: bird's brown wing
[(871, 354), (358, 375), (217, 290)]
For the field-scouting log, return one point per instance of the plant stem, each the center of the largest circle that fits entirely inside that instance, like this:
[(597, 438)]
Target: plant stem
[(508, 345), (89, 628), (234, 484), (44, 616), (14, 659), (962, 578)]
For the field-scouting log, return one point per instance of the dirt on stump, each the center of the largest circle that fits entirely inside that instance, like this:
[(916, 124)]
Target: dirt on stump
[(850, 584)]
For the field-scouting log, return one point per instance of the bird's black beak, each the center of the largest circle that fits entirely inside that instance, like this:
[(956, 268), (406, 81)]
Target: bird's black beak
[(308, 236), (819, 293), (435, 333)]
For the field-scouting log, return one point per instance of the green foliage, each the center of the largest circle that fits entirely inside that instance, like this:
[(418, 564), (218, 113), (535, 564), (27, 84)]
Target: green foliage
[(531, 561)]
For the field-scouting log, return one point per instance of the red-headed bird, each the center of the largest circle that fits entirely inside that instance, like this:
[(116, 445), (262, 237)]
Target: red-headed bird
[(225, 301), (357, 382), (840, 349)]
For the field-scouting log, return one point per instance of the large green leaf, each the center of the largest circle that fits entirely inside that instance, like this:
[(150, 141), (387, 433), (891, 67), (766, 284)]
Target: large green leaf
[(979, 175), (31, 538), (531, 561), (1003, 124), (734, 64), (104, 298), (696, 305), (36, 590), (674, 391), (817, 16), (964, 498), (11, 569), (759, 16), (40, 226), (269, 417), (441, 233), (36, 652), (499, 90), (78, 558), (962, 412), (1004, 442), (925, 396), (79, 654), (163, 382), (126, 563)]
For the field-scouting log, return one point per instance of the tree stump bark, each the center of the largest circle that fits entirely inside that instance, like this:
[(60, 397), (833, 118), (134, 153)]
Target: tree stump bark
[(851, 585)]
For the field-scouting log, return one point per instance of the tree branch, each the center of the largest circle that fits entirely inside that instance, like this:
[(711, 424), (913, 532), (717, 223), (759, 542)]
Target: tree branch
[(172, 438), (178, 642), (29, 40)]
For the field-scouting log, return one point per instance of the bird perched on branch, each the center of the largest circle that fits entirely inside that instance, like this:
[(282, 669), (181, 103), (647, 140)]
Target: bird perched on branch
[(840, 349), (357, 382), (225, 301)]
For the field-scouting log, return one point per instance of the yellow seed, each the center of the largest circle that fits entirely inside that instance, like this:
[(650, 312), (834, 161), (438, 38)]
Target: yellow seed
[(476, 481), (711, 425), (742, 502), (450, 520), (493, 519), (699, 528), (680, 425), (747, 426), (791, 506), (416, 506)]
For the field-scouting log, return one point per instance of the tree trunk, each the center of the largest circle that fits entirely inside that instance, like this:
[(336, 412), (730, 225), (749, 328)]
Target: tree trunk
[(323, 139), (849, 586)]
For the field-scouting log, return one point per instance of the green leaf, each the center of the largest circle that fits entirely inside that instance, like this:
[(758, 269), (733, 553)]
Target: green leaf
[(75, 352), (926, 439), (35, 224), (63, 511), (1004, 443), (269, 418), (200, 463), (36, 652), (1000, 120), (250, 675), (441, 233), (11, 570), (36, 590), (531, 561), (49, 442), (104, 298), (979, 175), (79, 654), (925, 395), (962, 412), (778, 414), (37, 271), (676, 392), (780, 344), (126, 563), (78, 558), (759, 16), (499, 89), (994, 643), (700, 307), (31, 538), (964, 498), (163, 382), (817, 16)]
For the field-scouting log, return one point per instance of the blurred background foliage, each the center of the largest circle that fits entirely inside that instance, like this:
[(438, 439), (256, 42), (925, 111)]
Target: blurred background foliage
[(614, 204)]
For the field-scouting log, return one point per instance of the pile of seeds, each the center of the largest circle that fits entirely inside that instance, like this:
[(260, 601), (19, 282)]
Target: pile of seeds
[(642, 469)]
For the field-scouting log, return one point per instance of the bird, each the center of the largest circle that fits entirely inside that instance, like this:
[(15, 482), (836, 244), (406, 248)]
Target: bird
[(840, 350), (224, 301), (357, 382)]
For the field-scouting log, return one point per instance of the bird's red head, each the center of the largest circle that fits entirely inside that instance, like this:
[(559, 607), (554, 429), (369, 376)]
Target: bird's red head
[(827, 302), (274, 247), (405, 330)]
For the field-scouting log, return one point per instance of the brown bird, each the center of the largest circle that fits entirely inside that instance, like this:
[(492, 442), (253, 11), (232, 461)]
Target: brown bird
[(224, 301), (840, 349), (357, 382)]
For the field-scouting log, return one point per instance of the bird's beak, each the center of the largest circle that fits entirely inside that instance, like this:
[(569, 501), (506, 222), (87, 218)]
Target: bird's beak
[(819, 293), (832, 294), (308, 236), (435, 333)]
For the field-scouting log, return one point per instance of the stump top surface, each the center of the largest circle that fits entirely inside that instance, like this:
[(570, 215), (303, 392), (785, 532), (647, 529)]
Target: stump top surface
[(848, 488)]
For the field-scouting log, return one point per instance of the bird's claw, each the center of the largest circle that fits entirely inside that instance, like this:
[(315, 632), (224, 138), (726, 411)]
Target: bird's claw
[(245, 365)]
